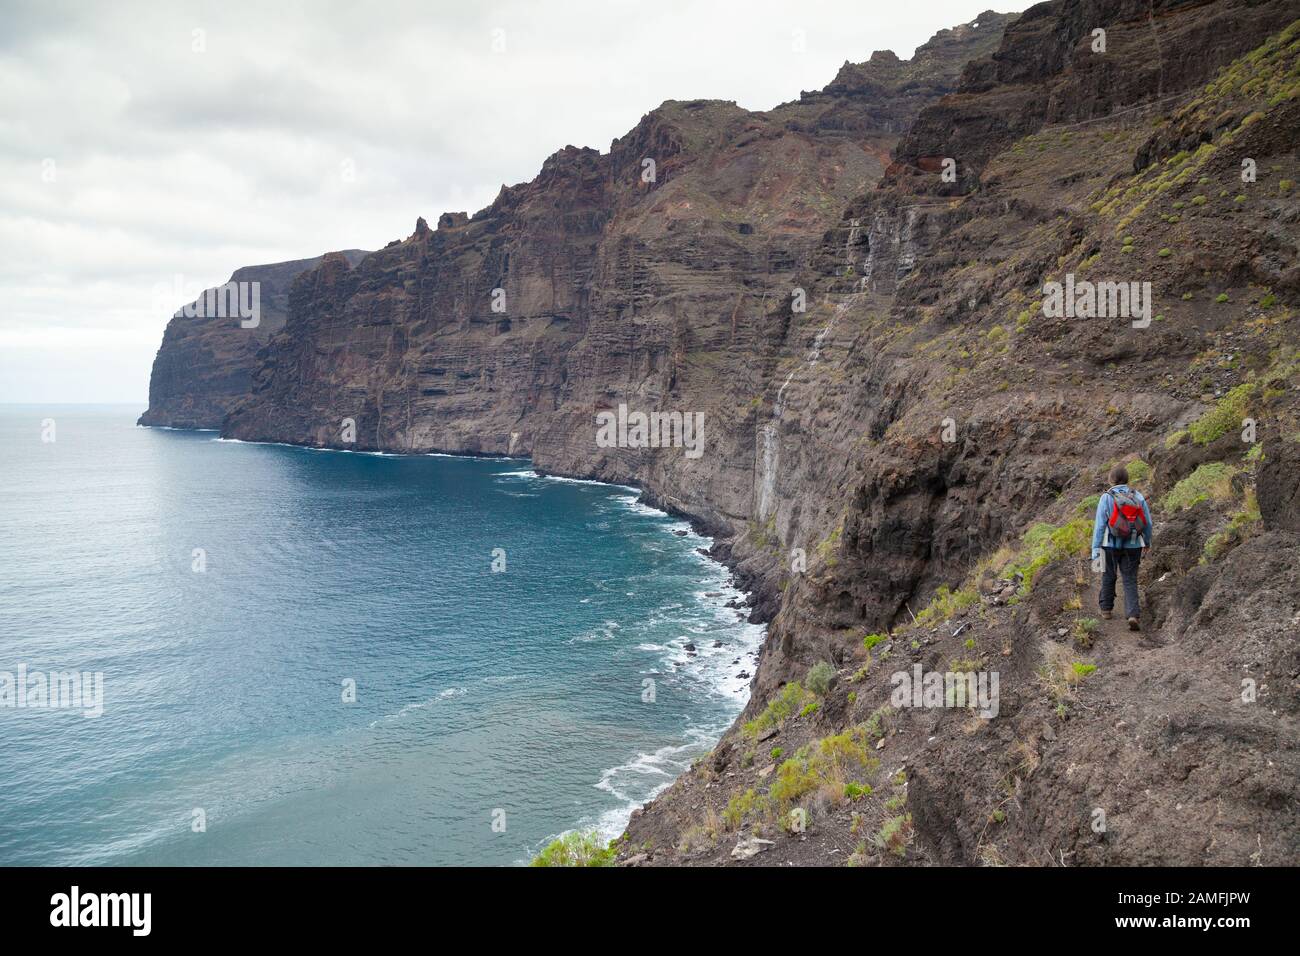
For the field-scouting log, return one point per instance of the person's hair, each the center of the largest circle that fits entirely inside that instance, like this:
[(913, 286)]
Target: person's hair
[(1119, 475)]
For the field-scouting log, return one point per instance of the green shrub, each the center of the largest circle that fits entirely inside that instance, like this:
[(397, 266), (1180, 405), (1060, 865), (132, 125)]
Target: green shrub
[(1238, 527), (946, 603), (895, 835), (1225, 416), (579, 848), (871, 640), (1084, 629), (1211, 481), (1043, 543), (818, 678), (743, 805), (1138, 470), (855, 791), (1221, 297), (833, 760), (1165, 253), (789, 701)]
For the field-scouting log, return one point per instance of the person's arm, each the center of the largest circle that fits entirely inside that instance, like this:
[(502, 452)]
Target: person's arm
[(1099, 524), (1146, 528)]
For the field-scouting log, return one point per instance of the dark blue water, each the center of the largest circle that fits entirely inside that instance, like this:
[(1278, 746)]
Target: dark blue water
[(514, 698)]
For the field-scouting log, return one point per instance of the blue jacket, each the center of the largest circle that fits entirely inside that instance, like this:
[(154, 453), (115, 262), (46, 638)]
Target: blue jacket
[(1101, 526)]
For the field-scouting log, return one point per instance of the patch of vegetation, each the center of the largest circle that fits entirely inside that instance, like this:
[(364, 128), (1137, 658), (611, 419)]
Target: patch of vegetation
[(579, 848), (875, 723), (810, 708), (743, 805), (830, 543), (1082, 670), (1225, 416), (1238, 529), (871, 640), (788, 702), (818, 678), (704, 834), (895, 835), (946, 603), (832, 763), (764, 536), (1138, 470), (1044, 543), (1211, 481), (1084, 630), (856, 791)]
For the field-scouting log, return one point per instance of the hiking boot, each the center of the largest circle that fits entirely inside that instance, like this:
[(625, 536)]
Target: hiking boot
[(1107, 615), (1133, 624)]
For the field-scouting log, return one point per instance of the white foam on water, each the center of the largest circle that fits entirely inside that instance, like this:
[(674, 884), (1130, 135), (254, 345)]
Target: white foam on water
[(447, 694), (712, 669), (605, 632), (642, 778)]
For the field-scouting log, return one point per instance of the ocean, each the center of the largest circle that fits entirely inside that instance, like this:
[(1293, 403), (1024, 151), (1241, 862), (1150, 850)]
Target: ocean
[(314, 658)]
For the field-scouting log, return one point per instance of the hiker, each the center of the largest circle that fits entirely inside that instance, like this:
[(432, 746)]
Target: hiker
[(1123, 532)]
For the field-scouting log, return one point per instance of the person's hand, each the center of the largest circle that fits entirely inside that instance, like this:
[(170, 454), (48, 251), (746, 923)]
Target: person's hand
[(1145, 549)]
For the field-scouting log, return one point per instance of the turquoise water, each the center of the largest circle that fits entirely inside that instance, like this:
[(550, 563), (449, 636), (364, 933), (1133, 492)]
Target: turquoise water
[(512, 698)]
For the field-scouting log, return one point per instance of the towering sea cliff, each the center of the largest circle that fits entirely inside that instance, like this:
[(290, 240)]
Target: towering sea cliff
[(205, 363), (903, 470)]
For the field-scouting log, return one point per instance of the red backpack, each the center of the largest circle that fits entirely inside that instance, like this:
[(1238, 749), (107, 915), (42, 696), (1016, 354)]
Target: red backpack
[(1127, 519)]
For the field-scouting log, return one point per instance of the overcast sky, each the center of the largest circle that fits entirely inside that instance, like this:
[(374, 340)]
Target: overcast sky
[(146, 144)]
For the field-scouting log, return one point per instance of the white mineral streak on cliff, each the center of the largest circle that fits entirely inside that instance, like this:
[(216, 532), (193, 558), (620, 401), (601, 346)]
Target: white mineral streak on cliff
[(771, 456)]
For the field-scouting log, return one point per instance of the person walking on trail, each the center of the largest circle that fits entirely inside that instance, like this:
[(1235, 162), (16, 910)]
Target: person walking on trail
[(1122, 531)]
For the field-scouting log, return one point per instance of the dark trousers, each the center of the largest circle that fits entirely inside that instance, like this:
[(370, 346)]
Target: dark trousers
[(1122, 562)]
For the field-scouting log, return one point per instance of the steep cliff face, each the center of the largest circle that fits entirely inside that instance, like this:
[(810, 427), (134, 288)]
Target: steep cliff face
[(655, 275), (901, 470), (978, 429), (205, 362)]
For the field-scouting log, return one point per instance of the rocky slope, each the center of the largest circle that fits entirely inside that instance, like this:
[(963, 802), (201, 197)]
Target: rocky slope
[(204, 364), (902, 471)]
